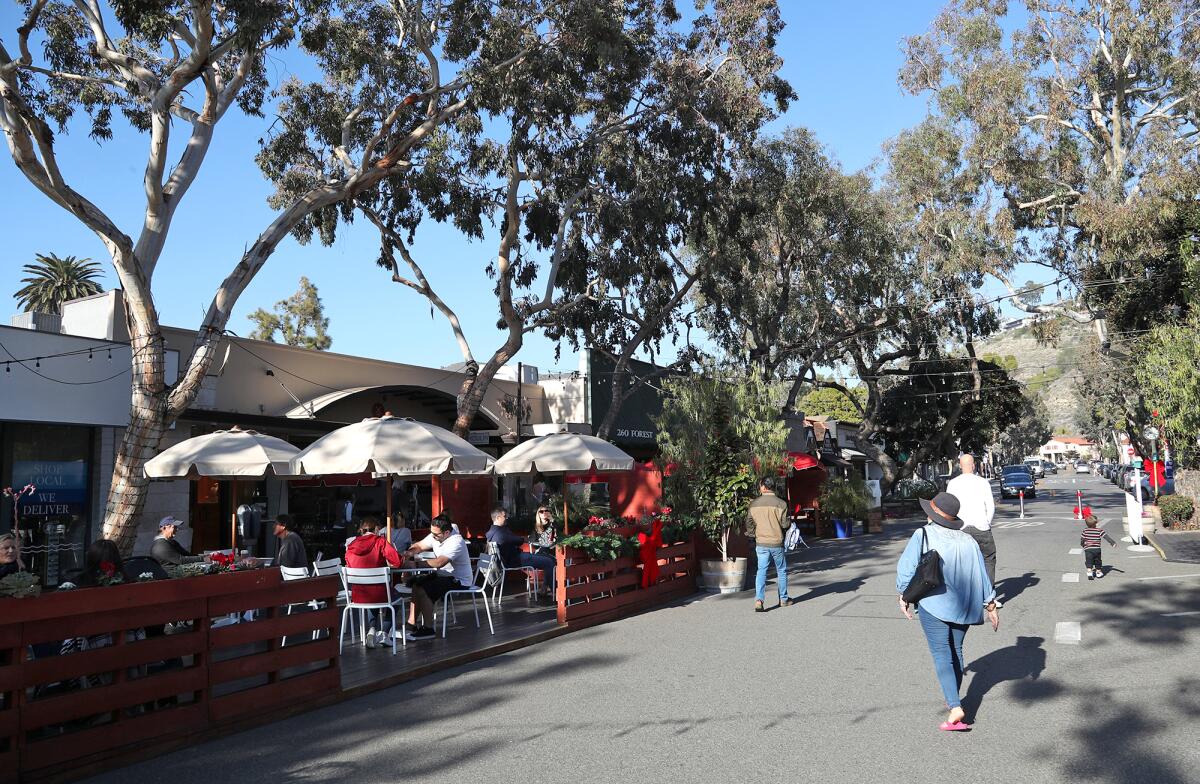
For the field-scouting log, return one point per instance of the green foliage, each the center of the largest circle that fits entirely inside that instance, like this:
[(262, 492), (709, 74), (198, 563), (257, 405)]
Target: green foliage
[(1177, 510), (912, 488), (1028, 433), (1008, 361), (53, 280), (831, 402), (1045, 378), (20, 585), (602, 546), (719, 436), (300, 319), (845, 499), (1168, 374)]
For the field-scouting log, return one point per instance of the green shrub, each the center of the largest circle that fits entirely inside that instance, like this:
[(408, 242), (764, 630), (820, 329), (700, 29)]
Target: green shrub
[(1176, 510), (913, 488)]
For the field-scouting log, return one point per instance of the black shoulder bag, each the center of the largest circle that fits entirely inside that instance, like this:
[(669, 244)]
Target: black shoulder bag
[(928, 576)]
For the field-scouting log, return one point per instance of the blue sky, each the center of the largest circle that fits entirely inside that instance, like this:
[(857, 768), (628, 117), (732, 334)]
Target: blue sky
[(841, 58)]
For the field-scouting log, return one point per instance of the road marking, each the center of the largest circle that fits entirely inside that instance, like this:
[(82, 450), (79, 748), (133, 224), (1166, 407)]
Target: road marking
[(1075, 551), (1169, 577), (1180, 614), (1071, 577), (1144, 556), (1068, 632), (1017, 524)]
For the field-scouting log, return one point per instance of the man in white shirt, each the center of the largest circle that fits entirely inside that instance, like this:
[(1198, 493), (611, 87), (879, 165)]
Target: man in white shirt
[(452, 563), (976, 509)]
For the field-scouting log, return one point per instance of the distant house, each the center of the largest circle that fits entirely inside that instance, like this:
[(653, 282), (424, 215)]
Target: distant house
[(1062, 449)]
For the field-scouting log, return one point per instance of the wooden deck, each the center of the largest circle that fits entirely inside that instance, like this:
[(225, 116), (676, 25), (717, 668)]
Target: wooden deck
[(519, 622)]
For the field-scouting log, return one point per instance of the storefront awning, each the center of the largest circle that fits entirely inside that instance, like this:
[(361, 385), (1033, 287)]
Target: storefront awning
[(802, 461), (834, 459)]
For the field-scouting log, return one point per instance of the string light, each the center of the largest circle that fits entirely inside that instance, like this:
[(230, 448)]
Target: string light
[(89, 355)]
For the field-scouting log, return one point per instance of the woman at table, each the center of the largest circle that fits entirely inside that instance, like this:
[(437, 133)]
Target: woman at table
[(541, 541), (369, 550), (10, 555)]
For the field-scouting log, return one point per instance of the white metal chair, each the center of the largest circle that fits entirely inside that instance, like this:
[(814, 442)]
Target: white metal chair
[(532, 579), (381, 575), (487, 573), (295, 573)]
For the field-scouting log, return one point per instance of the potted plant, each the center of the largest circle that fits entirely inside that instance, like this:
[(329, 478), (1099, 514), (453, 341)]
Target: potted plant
[(844, 500), (718, 433)]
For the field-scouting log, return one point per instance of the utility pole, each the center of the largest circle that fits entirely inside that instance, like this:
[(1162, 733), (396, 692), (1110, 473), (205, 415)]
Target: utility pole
[(520, 410)]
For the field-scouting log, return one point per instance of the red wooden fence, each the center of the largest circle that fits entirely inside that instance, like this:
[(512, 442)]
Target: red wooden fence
[(60, 713), (597, 591)]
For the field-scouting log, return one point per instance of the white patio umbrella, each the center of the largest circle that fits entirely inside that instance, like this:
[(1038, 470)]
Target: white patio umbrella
[(393, 446), (232, 454), (559, 454)]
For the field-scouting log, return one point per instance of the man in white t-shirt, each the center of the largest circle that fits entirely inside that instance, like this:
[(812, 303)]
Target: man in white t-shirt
[(976, 509), (452, 563)]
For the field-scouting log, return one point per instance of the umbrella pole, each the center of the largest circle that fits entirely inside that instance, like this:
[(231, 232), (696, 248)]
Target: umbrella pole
[(566, 520), (233, 519), (388, 505)]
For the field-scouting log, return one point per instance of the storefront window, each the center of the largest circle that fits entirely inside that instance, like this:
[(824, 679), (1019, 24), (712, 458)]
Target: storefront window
[(54, 520)]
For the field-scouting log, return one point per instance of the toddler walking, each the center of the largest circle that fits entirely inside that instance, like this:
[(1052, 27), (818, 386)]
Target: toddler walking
[(1090, 541)]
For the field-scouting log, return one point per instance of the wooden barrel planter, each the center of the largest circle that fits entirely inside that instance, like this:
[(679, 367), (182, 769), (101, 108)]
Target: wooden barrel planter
[(135, 686)]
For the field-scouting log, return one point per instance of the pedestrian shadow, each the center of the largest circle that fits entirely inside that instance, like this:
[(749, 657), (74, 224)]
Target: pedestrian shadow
[(845, 586), (1011, 587), (1022, 663)]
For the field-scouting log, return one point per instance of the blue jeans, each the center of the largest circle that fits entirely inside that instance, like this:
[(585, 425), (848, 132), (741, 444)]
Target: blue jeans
[(543, 562), (766, 557), (945, 643)]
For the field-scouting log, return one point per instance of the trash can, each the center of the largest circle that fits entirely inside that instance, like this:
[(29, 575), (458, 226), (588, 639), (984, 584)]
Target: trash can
[(843, 528)]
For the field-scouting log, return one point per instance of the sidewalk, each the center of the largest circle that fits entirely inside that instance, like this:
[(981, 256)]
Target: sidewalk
[(1180, 547)]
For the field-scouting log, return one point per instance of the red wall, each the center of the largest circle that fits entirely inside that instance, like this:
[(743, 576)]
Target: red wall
[(635, 493), (468, 499)]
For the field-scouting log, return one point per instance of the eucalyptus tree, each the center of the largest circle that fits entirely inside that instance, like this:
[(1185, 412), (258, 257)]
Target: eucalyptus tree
[(300, 320), (588, 168), (761, 299), (1084, 120), (393, 73)]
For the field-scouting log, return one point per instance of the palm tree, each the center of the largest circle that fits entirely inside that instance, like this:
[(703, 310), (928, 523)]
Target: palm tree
[(53, 281)]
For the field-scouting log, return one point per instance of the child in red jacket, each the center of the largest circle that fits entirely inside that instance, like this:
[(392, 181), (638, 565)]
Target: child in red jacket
[(369, 550)]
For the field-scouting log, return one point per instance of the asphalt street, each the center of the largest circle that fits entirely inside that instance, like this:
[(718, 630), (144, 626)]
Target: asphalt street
[(1085, 681)]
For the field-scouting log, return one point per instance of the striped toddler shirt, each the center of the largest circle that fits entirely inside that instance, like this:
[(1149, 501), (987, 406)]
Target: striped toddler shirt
[(1091, 538)]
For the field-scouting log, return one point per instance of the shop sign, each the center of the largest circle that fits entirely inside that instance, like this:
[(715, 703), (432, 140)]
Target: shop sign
[(61, 487)]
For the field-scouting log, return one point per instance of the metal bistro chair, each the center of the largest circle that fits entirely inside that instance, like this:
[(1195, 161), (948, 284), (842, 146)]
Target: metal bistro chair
[(295, 573), (487, 573), (381, 575), (532, 579)]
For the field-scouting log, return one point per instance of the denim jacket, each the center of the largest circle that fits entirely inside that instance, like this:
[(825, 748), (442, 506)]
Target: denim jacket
[(965, 586)]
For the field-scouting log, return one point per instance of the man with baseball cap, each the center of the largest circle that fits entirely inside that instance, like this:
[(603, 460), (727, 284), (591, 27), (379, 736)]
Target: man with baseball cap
[(167, 549)]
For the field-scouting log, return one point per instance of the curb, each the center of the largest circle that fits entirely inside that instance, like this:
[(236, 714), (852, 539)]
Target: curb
[(1156, 546)]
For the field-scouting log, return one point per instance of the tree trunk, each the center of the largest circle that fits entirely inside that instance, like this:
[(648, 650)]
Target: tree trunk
[(147, 423), (619, 396), (475, 387)]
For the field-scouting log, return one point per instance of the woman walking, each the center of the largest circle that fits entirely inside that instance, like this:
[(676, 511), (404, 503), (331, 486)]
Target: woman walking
[(961, 601)]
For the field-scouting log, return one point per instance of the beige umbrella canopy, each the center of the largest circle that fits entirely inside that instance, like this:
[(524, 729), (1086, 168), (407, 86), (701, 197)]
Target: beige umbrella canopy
[(226, 454), (394, 446), (559, 454)]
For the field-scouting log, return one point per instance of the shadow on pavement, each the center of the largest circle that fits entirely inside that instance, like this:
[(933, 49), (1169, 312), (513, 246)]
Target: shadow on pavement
[(844, 586), (1022, 663), (1011, 587), (1134, 611)]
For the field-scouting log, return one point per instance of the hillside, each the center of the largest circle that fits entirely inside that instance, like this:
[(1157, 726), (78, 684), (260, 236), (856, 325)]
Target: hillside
[(1050, 369)]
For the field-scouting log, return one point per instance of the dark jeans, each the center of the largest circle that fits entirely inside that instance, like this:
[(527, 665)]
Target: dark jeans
[(1091, 558), (987, 546), (543, 562), (945, 643)]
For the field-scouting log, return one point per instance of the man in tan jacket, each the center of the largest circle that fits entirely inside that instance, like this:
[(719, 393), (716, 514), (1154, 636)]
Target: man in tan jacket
[(767, 521)]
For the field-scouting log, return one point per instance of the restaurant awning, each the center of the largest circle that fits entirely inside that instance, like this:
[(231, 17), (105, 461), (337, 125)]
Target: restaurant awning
[(802, 461), (834, 459)]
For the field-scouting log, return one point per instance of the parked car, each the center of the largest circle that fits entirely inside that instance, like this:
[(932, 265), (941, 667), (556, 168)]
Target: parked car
[(1017, 478), (1035, 465), (1082, 467)]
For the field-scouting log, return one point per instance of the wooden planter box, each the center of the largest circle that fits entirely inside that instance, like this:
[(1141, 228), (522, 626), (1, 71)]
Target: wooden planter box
[(61, 714), (597, 591)]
